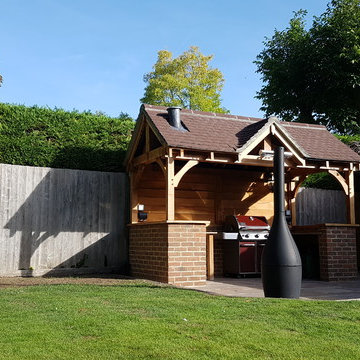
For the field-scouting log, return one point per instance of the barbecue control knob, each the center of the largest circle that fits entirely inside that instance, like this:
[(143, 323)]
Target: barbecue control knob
[(266, 236), (247, 235), (256, 236)]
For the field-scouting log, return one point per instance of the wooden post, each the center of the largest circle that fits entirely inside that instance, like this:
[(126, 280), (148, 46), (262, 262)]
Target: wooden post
[(267, 143), (351, 198), (288, 194), (294, 188), (133, 198), (293, 212), (170, 189), (210, 256)]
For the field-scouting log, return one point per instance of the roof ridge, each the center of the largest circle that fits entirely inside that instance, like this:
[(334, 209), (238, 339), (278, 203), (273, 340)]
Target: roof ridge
[(209, 114), (303, 125)]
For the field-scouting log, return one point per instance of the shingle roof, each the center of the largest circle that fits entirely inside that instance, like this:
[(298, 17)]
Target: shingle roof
[(227, 133)]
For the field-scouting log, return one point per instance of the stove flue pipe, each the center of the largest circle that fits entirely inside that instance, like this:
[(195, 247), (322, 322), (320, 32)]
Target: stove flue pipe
[(281, 268)]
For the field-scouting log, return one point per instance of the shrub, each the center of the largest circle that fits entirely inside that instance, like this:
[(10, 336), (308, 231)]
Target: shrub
[(57, 138), (322, 181)]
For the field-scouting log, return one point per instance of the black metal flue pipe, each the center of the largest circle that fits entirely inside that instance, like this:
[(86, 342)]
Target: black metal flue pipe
[(281, 268), (174, 117)]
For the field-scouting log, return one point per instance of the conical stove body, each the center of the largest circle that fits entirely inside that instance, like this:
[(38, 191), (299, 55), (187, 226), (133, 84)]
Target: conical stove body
[(281, 268)]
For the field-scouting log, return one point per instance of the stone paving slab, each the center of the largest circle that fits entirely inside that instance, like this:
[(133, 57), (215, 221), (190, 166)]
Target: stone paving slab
[(310, 289)]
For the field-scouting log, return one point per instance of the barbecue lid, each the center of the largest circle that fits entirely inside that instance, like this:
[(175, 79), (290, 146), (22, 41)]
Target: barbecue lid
[(244, 222)]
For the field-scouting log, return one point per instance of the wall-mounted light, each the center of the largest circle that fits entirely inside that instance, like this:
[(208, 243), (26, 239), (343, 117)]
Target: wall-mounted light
[(269, 181), (142, 215), (288, 216)]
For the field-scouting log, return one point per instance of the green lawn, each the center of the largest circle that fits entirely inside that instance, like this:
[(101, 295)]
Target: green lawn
[(140, 321)]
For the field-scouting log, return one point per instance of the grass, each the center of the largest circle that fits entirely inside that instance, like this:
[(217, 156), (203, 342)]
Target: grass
[(141, 321)]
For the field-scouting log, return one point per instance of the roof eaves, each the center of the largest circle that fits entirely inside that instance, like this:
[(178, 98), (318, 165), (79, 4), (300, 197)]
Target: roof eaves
[(142, 113), (287, 134), (155, 129), (332, 160)]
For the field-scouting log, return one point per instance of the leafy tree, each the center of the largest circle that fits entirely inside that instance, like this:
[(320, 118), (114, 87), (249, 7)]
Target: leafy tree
[(1, 80), (313, 75), (185, 81)]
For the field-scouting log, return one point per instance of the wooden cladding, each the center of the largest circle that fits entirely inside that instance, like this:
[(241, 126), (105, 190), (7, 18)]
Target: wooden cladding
[(206, 194)]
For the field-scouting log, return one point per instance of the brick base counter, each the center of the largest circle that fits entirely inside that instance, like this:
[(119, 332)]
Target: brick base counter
[(337, 249), (169, 252)]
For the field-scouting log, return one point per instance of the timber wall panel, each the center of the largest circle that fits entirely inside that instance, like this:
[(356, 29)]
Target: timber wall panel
[(151, 192), (61, 221), (206, 194), (220, 193)]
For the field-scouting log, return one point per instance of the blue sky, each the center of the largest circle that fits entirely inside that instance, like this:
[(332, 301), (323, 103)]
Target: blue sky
[(92, 55)]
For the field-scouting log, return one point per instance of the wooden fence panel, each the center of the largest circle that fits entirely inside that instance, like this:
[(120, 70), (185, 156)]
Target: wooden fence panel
[(61, 221), (318, 206)]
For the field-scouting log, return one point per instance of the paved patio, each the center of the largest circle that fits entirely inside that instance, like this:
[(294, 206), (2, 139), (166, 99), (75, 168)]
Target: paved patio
[(310, 290)]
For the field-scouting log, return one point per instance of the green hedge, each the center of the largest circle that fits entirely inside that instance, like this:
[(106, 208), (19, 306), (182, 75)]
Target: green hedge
[(39, 136)]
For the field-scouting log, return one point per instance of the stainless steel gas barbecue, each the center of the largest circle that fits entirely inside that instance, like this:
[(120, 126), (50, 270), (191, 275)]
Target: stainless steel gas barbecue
[(244, 239)]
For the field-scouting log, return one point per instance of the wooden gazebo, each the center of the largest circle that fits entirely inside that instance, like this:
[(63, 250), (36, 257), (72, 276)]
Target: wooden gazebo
[(191, 173)]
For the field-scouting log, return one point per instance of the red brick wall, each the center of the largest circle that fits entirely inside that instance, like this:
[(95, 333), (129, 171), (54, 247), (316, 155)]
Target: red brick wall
[(187, 254), (174, 253), (337, 249), (148, 251)]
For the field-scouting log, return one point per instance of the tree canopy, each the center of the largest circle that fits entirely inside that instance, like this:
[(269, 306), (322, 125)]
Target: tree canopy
[(187, 81), (313, 74)]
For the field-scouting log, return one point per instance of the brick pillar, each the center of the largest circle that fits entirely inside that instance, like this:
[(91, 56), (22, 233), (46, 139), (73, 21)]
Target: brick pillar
[(187, 254), (148, 251), (173, 253), (337, 249)]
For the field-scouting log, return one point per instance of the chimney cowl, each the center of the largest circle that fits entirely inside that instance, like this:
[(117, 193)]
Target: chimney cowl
[(174, 117)]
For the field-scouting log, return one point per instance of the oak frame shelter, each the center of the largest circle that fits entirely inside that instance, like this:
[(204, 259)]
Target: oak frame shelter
[(192, 170)]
